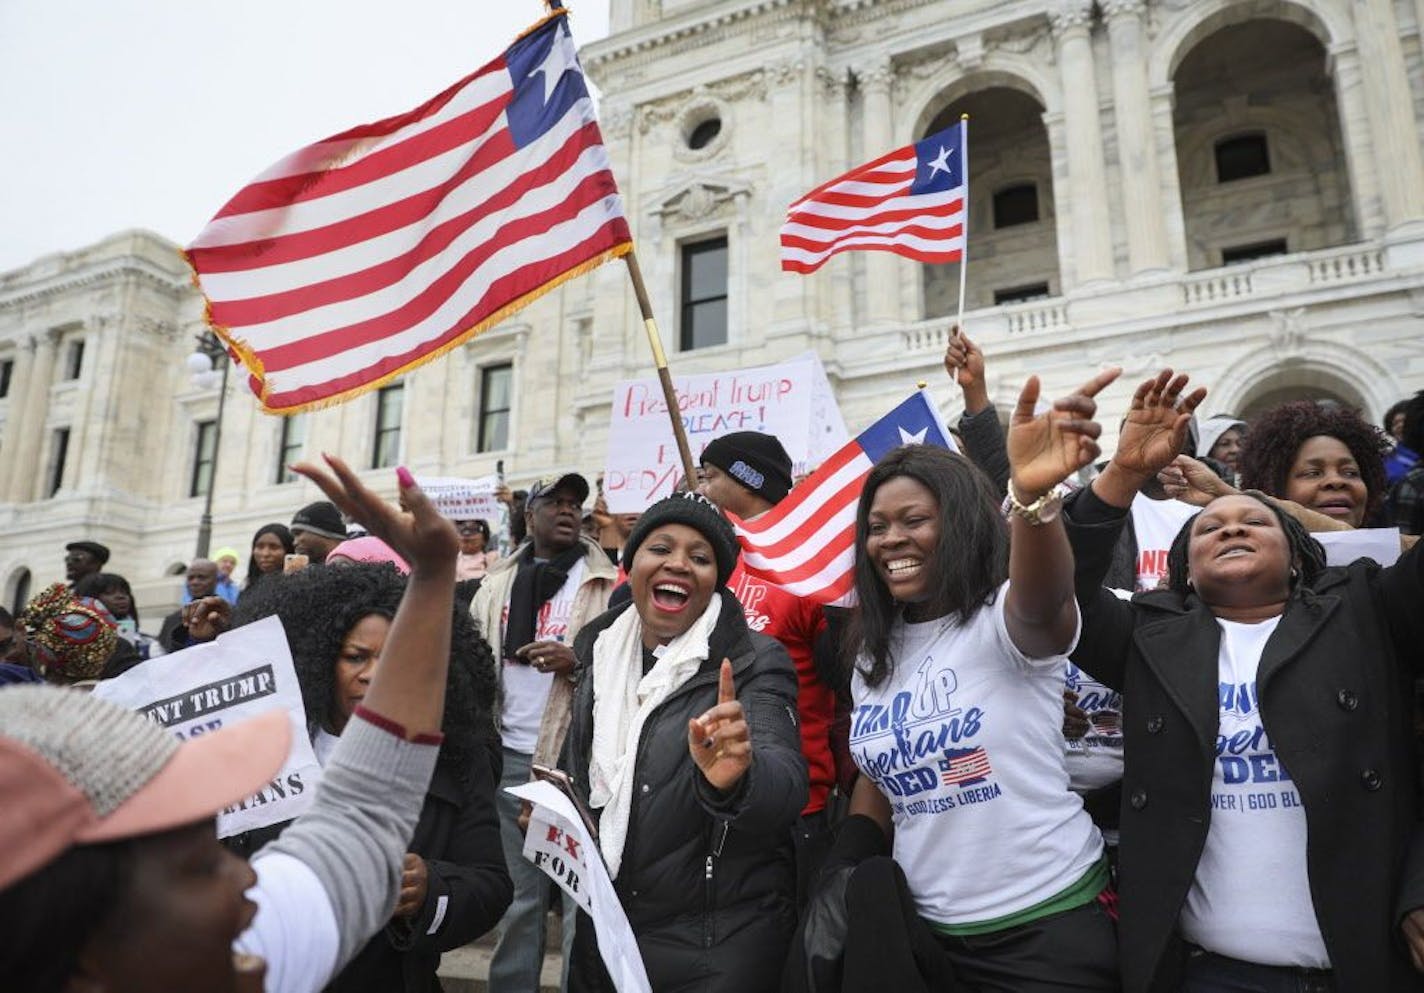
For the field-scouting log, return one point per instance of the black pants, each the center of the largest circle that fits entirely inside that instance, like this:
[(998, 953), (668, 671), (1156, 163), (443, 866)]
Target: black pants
[(1074, 950), (1210, 973)]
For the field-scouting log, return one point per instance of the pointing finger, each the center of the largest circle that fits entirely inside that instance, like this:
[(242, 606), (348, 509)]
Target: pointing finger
[(1096, 385), (726, 691), (1028, 399)]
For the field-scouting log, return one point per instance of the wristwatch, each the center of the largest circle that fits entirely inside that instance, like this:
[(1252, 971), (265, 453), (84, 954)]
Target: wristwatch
[(1041, 511)]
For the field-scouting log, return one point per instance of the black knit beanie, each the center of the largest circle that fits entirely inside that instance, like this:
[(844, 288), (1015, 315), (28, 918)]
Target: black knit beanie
[(697, 513), (757, 461)]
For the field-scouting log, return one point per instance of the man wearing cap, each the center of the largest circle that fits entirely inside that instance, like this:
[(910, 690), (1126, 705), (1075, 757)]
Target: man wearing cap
[(83, 558), (530, 608), (745, 474), (316, 529)]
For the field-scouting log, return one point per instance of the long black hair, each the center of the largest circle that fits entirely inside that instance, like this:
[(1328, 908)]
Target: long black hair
[(96, 584), (254, 575), (971, 559), (318, 608), (1307, 556)]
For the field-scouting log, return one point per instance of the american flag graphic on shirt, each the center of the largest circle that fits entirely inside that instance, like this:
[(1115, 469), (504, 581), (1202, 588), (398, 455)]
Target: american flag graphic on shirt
[(964, 766)]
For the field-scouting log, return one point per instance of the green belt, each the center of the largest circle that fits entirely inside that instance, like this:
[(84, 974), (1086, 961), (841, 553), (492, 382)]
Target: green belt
[(1083, 890)]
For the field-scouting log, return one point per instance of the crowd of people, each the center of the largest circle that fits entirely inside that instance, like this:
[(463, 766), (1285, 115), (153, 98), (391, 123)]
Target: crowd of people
[(1139, 722)]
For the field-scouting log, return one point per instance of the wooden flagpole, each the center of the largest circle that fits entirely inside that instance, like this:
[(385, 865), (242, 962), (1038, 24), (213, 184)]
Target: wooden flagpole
[(655, 342)]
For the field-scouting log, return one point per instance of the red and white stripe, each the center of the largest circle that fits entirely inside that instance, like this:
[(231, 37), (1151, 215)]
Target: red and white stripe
[(872, 208), (806, 543), (361, 256)]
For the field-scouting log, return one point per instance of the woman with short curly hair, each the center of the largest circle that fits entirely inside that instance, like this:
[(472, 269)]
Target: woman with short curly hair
[(455, 885), (1325, 457)]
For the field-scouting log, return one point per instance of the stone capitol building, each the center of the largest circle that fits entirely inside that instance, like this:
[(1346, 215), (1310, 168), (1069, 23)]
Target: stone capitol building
[(1234, 188)]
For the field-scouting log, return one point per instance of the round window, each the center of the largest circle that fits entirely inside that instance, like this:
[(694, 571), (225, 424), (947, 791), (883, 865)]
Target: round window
[(703, 134)]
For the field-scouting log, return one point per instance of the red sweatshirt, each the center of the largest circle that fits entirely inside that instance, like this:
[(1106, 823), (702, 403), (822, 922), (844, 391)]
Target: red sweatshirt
[(795, 622)]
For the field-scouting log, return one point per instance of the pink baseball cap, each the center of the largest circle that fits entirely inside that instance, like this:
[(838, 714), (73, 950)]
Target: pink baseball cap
[(367, 548), (76, 770)]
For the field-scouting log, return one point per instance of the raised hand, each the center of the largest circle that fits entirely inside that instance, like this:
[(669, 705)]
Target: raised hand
[(965, 364), (1188, 480), (416, 531), (720, 740), (1046, 449), (207, 618), (1156, 425)]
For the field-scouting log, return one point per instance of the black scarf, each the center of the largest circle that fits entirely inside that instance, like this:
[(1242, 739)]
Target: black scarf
[(535, 584)]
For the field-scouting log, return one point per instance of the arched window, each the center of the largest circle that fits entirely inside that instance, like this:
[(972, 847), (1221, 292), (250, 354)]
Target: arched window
[(21, 593), (1242, 157), (1016, 205)]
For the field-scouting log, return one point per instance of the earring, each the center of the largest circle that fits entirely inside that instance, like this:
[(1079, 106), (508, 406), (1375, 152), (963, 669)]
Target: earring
[(1295, 573), (1189, 583)]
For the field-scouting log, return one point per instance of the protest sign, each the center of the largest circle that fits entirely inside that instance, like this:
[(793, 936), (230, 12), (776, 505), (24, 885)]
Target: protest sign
[(243, 673), (464, 499), (559, 844), (792, 400), (1344, 547)]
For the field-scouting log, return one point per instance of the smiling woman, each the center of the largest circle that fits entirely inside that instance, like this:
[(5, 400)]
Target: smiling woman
[(685, 742), (958, 648), (1325, 458), (455, 885), (1270, 766)]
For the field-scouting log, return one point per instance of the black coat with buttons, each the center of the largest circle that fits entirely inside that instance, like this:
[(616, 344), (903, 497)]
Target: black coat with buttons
[(1335, 691), (708, 882)]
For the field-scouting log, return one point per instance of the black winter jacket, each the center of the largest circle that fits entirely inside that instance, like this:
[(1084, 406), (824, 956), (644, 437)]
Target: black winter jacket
[(1335, 694), (468, 892), (708, 883)]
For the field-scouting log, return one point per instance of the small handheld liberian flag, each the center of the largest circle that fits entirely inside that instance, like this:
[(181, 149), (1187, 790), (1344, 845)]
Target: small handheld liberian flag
[(964, 766), (910, 202), (360, 257), (806, 543)]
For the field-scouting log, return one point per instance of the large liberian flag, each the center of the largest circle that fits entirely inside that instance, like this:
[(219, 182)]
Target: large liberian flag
[(910, 202), (806, 543), (369, 253)]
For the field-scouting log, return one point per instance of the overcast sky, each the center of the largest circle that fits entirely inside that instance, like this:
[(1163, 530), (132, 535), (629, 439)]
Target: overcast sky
[(152, 113)]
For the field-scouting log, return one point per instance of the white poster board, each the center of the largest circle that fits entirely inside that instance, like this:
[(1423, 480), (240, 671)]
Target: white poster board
[(462, 499), (792, 400), (1344, 547), (558, 844), (244, 673)]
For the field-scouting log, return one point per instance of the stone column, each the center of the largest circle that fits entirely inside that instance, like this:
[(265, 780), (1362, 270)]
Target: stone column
[(832, 130), (882, 277), (1351, 103), (15, 420), (1091, 246), (1137, 151), (1391, 112), (24, 468)]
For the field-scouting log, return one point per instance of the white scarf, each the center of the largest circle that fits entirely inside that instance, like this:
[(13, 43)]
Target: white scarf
[(623, 699)]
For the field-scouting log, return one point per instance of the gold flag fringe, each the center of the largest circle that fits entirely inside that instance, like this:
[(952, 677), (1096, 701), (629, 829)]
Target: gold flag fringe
[(253, 364)]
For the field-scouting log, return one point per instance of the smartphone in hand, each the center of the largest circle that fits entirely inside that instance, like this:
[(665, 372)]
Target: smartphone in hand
[(295, 562)]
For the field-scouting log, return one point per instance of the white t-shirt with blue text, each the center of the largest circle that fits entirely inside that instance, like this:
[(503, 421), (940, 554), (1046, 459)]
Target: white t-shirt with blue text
[(965, 739), (1250, 898)]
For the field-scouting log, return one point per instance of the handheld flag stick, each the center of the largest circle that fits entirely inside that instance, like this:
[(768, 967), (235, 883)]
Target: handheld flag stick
[(655, 342), (963, 252)]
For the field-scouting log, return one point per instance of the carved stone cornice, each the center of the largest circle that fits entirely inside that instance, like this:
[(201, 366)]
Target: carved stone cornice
[(876, 77), (834, 82), (85, 277), (701, 198), (1070, 15), (1114, 9), (657, 41)]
